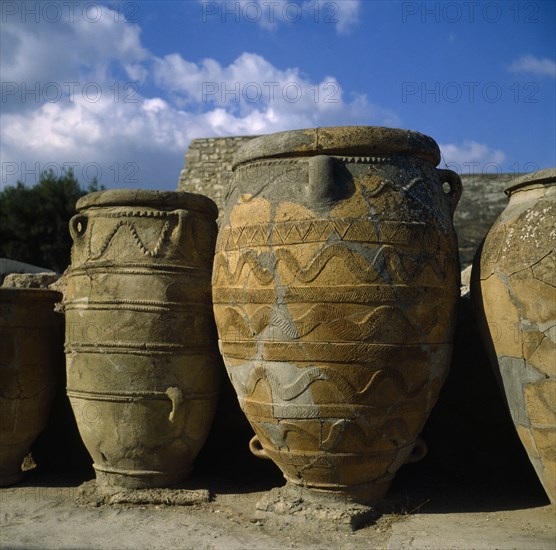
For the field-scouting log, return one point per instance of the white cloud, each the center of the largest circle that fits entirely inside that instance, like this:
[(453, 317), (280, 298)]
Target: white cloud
[(534, 65), (348, 15), (37, 52), (136, 135), (473, 157), (125, 144), (252, 84)]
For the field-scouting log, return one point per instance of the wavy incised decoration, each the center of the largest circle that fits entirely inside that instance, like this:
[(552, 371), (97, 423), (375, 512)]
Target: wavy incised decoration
[(386, 264), (331, 433), (250, 258), (387, 185), (240, 325), (342, 324), (309, 375), (285, 392)]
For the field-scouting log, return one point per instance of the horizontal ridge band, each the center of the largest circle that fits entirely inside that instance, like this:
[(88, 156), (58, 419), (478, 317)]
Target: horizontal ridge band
[(140, 348), (127, 396)]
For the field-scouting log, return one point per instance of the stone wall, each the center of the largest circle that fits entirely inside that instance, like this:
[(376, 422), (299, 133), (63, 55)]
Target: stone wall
[(482, 200), (208, 166), (208, 170)]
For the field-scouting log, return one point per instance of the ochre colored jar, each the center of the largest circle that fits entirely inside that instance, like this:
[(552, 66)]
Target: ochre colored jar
[(335, 283), (514, 295)]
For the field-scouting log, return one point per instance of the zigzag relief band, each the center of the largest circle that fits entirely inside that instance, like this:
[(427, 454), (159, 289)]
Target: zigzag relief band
[(416, 235), (136, 239)]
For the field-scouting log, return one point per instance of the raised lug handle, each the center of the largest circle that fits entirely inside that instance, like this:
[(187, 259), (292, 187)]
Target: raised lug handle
[(321, 179), (176, 398), (182, 220)]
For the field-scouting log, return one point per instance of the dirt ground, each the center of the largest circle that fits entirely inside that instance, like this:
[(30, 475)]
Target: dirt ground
[(51, 513)]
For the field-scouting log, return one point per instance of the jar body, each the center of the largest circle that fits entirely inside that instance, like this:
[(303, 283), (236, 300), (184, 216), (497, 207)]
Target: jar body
[(514, 296), (142, 365), (334, 286), (31, 346)]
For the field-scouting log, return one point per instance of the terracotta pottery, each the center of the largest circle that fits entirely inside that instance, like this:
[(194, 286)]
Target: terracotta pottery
[(30, 346), (142, 361), (334, 285), (514, 294)]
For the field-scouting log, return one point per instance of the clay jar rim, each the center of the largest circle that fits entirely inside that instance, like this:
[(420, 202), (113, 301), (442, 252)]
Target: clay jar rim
[(540, 177), (164, 200), (10, 294), (365, 141)]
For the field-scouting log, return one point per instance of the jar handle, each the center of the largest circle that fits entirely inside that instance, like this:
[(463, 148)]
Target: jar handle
[(418, 452), (257, 449), (454, 181), (181, 217), (78, 226), (321, 179), (176, 398)]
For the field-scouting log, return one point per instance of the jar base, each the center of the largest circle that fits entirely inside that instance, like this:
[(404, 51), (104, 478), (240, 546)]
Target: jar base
[(137, 479), (342, 508), (366, 494)]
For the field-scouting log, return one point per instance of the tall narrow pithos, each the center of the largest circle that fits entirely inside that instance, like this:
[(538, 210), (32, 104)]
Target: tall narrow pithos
[(30, 354), (335, 283), (142, 361), (514, 293)]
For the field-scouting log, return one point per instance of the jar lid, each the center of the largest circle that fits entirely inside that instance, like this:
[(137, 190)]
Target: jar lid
[(360, 141), (539, 177), (166, 200)]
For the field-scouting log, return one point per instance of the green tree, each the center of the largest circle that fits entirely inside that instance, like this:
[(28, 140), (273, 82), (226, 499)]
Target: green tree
[(34, 220)]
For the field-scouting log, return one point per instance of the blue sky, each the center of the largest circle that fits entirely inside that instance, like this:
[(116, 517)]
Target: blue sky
[(118, 89)]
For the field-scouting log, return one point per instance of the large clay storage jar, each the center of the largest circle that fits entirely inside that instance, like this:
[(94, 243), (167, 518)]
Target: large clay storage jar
[(141, 352), (30, 349), (514, 294), (334, 285)]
